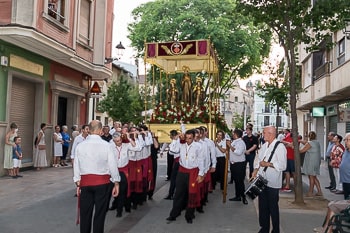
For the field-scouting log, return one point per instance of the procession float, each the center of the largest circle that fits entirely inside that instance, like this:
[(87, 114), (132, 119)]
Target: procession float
[(186, 76)]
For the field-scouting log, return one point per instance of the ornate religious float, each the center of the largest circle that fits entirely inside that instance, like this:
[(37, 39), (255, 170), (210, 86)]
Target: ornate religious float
[(186, 76)]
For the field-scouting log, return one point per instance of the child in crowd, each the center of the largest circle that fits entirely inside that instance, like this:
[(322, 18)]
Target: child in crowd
[(17, 157)]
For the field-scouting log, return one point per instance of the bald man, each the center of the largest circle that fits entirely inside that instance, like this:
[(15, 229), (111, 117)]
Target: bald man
[(270, 166), (95, 166)]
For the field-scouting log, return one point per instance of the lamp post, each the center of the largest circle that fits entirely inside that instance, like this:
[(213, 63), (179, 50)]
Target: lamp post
[(120, 51)]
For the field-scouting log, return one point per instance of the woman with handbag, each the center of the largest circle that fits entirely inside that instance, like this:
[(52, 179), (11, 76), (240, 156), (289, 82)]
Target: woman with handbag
[(40, 146)]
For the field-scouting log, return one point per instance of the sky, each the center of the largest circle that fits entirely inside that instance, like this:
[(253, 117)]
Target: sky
[(122, 12)]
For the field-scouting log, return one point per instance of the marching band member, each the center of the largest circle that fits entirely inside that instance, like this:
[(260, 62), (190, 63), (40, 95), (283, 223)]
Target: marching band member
[(121, 151), (237, 165), (272, 171), (191, 173)]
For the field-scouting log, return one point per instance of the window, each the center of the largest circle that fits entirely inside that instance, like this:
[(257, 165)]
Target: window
[(85, 22), (56, 9), (341, 51), (266, 120), (267, 108), (236, 98), (279, 121)]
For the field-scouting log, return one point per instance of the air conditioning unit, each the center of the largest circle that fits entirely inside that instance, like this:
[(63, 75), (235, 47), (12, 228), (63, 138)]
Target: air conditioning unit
[(4, 61)]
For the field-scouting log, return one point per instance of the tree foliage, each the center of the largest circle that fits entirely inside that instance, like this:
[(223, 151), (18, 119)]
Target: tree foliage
[(240, 44), (295, 22), (122, 102)]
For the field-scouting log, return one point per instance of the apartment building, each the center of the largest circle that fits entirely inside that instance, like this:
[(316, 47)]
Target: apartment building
[(51, 51), (325, 104)]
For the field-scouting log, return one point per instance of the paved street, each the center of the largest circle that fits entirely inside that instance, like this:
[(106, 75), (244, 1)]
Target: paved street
[(43, 201)]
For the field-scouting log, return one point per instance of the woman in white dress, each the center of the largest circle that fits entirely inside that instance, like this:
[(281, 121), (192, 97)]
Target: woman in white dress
[(40, 146), (57, 146), (9, 143)]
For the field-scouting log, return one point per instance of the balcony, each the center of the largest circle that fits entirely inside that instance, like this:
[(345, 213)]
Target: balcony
[(321, 71)]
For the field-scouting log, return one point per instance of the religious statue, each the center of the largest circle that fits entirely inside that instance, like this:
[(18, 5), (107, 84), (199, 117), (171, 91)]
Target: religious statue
[(198, 92), (172, 92), (186, 85)]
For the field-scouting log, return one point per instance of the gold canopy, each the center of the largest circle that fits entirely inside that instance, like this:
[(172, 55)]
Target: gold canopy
[(197, 55)]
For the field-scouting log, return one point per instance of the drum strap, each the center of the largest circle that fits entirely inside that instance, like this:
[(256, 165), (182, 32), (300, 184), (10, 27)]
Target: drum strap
[(272, 152)]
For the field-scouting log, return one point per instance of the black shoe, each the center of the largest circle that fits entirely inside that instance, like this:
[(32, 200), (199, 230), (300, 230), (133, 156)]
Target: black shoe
[(329, 187), (200, 210), (119, 215), (128, 210), (231, 182), (189, 221), (134, 206), (168, 197), (150, 198), (170, 218), (244, 200), (235, 199), (112, 208), (19, 176)]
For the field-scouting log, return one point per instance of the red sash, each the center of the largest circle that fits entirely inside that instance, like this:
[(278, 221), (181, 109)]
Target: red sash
[(132, 176), (193, 187), (94, 180), (150, 177)]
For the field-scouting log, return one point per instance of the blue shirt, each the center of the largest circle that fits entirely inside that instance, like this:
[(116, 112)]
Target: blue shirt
[(18, 149), (329, 149), (66, 139), (344, 168)]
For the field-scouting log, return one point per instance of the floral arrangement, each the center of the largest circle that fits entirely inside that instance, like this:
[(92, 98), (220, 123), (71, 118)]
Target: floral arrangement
[(172, 114)]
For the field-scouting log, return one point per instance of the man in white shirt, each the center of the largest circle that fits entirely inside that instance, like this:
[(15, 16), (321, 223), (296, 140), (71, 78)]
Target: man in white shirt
[(78, 139), (190, 175), (237, 164), (272, 170), (95, 166), (121, 152)]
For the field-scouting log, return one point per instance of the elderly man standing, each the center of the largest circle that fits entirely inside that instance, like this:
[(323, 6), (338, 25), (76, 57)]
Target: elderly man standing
[(272, 162), (95, 166)]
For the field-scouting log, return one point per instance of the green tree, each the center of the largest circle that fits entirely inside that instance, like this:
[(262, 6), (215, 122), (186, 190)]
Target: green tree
[(276, 90), (240, 44), (238, 121), (122, 102), (295, 22)]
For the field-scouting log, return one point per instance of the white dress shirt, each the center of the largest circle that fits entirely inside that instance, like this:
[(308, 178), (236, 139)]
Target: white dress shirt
[(95, 156), (218, 153), (174, 147), (279, 161), (78, 139), (211, 146), (121, 152), (240, 148), (192, 157)]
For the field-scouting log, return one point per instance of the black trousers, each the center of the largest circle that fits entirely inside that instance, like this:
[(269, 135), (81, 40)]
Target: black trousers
[(238, 175), (120, 201), (173, 179), (268, 207), (181, 197), (346, 190), (250, 160), (170, 163), (331, 174), (219, 174), (94, 199)]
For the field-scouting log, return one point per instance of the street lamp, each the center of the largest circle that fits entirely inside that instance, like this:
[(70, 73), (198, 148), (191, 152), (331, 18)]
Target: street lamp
[(346, 29), (120, 51)]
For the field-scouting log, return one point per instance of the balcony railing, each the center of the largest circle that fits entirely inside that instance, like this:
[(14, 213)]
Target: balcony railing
[(322, 70)]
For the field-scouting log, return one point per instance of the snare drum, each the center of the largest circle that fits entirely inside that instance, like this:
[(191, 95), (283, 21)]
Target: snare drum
[(256, 187)]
